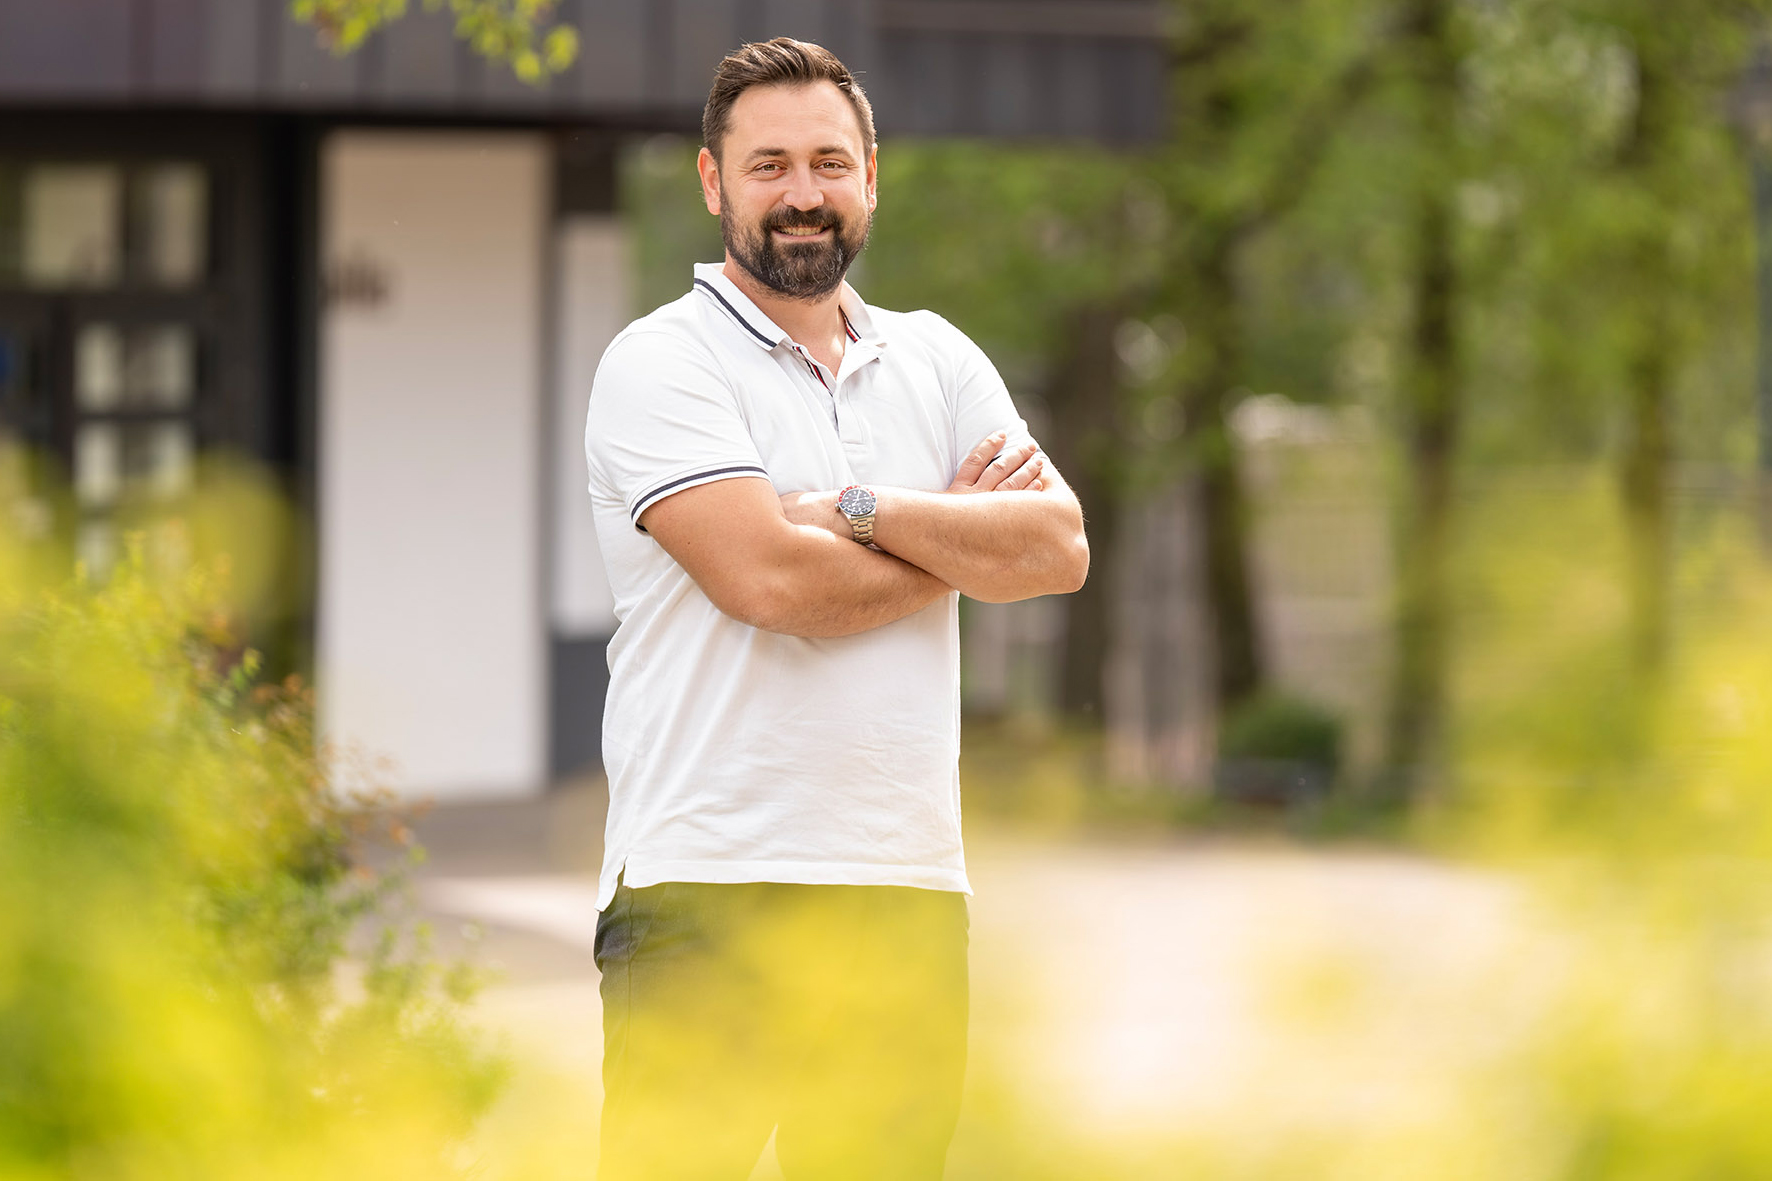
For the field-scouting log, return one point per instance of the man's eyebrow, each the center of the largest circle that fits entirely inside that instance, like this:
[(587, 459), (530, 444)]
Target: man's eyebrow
[(825, 150)]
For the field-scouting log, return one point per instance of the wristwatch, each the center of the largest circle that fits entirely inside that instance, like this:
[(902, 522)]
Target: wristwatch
[(857, 503)]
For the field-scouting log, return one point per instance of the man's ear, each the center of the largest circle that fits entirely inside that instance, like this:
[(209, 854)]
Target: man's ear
[(709, 168), (873, 176)]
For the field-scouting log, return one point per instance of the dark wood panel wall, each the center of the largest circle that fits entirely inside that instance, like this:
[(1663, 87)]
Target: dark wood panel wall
[(1006, 68)]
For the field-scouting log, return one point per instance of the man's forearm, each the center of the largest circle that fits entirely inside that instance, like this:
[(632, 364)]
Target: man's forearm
[(753, 563), (829, 586), (992, 546)]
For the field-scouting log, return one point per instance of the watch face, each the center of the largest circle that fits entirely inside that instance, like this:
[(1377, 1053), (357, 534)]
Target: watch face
[(856, 502)]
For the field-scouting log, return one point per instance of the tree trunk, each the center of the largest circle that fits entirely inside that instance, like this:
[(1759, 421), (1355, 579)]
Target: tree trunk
[(1415, 718), (1649, 452), (1645, 476), (1087, 635), (1217, 331), (1083, 396)]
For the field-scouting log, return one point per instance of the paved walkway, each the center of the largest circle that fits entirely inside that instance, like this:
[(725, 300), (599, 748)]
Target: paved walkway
[(1122, 991)]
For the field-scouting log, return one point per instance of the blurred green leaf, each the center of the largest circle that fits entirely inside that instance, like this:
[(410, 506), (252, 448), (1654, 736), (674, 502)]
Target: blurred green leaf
[(514, 32)]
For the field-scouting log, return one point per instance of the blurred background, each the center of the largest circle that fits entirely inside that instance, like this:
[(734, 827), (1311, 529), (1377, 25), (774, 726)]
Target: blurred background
[(1393, 801)]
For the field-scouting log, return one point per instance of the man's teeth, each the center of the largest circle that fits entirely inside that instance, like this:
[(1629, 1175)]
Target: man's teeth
[(801, 231)]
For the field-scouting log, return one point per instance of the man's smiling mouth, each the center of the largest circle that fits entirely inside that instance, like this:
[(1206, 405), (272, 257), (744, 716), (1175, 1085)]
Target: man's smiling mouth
[(801, 231)]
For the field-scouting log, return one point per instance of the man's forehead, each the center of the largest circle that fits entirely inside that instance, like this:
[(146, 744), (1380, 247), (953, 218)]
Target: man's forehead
[(811, 115)]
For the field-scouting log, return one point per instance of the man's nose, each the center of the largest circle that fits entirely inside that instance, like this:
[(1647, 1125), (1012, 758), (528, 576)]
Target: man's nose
[(803, 192)]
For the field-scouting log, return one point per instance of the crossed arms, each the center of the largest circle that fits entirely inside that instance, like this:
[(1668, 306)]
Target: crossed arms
[(1007, 528)]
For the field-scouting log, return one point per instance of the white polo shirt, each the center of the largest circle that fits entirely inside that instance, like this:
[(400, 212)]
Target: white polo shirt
[(740, 755)]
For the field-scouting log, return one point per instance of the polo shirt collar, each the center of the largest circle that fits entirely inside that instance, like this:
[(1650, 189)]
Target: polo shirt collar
[(710, 278)]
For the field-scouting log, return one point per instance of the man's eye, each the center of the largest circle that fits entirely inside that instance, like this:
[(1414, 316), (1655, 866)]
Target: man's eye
[(768, 168)]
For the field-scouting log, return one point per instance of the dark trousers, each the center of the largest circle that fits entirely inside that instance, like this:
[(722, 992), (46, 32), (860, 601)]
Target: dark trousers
[(835, 1015)]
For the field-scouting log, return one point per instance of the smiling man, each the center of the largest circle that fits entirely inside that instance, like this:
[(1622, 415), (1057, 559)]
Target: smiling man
[(792, 489)]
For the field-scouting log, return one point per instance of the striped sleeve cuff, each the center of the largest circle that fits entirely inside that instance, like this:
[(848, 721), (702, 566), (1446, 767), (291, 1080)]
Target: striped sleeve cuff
[(678, 483)]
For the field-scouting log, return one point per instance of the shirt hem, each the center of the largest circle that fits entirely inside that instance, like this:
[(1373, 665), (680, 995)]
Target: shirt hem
[(638, 873)]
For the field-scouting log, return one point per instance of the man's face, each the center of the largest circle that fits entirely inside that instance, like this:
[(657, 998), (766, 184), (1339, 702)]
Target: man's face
[(794, 188)]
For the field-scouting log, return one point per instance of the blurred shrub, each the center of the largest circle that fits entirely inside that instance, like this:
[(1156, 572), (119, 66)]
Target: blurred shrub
[(175, 852), (1283, 728), (1277, 750)]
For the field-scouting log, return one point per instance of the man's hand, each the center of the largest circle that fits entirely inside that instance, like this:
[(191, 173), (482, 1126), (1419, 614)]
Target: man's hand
[(984, 542), (988, 468)]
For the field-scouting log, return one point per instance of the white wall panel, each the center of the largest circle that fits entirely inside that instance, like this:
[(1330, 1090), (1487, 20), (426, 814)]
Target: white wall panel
[(595, 293), (431, 630)]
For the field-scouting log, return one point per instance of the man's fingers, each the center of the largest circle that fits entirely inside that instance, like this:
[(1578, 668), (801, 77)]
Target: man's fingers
[(974, 464), (1023, 477), (1000, 468)]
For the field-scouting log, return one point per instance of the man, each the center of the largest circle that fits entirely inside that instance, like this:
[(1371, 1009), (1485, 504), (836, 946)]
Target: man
[(790, 488)]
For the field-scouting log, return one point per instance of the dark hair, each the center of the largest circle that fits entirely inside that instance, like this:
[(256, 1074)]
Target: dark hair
[(781, 62)]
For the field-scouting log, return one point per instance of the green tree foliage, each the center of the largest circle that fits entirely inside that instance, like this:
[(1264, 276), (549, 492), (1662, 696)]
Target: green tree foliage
[(1578, 283), (1122, 281), (516, 32), (1518, 232), (1262, 92)]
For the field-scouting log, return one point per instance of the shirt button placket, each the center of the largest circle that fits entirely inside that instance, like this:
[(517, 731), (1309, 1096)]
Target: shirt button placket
[(850, 427), (816, 375)]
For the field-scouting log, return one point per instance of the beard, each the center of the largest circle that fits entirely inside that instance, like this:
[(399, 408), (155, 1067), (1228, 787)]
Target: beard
[(798, 270)]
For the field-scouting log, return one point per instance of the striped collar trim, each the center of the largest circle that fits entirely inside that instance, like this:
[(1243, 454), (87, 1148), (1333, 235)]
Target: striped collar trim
[(856, 318), (768, 335), (710, 278)]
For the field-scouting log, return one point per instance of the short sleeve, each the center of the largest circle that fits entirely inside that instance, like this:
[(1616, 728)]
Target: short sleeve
[(981, 401), (663, 418)]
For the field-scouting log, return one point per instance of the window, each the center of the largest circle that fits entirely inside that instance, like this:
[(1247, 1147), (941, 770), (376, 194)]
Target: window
[(107, 310), (70, 226)]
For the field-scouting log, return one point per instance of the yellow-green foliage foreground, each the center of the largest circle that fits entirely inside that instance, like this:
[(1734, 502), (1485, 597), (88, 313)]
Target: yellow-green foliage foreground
[(1616, 1020), (173, 859), (173, 853), (1635, 794)]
